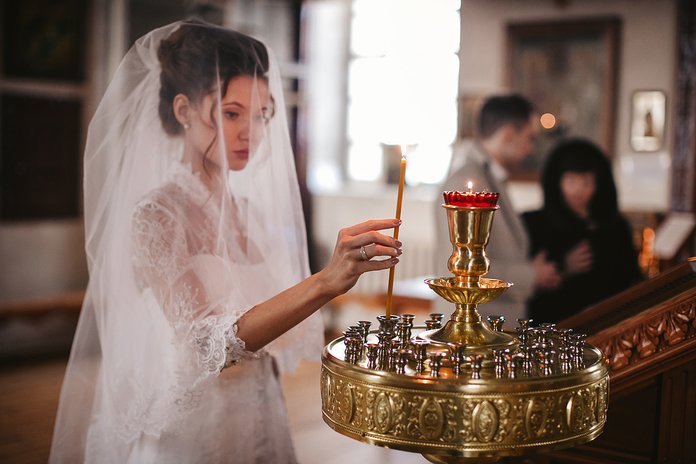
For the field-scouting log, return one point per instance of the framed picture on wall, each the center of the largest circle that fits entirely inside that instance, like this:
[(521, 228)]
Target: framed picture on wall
[(648, 111), (568, 70)]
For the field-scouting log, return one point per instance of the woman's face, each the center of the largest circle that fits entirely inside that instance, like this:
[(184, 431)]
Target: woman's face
[(578, 189), (243, 110)]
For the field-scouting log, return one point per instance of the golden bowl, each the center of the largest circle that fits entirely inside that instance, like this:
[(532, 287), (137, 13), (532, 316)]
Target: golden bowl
[(487, 290)]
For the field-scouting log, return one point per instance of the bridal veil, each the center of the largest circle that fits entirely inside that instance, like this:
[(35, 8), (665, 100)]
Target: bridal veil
[(174, 261)]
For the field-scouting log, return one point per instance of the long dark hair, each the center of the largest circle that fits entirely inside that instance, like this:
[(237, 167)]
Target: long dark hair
[(579, 155), (193, 58)]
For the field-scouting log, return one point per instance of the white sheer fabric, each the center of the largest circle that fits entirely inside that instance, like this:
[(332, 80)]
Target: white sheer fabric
[(177, 254)]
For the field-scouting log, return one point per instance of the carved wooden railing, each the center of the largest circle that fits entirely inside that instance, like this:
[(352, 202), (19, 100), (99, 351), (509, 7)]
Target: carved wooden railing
[(648, 334), (644, 323)]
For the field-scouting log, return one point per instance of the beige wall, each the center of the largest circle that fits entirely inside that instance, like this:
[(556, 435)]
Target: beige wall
[(647, 61), (41, 259)]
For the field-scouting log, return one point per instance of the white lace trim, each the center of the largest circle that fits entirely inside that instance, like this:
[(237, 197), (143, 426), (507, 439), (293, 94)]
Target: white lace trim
[(210, 340), (235, 348), (182, 174)]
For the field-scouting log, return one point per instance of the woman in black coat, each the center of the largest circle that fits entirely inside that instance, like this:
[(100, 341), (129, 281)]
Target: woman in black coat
[(581, 230)]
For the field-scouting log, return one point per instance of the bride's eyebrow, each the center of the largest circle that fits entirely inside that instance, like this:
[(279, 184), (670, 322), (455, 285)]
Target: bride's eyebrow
[(233, 103), (236, 104)]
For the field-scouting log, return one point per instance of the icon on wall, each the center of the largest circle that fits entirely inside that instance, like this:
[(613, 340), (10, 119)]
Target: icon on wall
[(648, 120)]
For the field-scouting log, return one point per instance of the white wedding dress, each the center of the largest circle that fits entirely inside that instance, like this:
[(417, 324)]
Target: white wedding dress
[(236, 415), (157, 373)]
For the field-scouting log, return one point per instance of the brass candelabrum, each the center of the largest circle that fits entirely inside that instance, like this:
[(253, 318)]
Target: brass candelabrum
[(471, 390)]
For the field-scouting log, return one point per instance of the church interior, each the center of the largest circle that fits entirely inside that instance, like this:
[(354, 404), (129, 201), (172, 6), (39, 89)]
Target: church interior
[(364, 79)]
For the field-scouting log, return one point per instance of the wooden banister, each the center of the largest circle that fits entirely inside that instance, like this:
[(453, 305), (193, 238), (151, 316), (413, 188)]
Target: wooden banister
[(648, 334)]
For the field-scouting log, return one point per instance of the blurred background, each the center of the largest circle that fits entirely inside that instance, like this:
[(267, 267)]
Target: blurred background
[(361, 78)]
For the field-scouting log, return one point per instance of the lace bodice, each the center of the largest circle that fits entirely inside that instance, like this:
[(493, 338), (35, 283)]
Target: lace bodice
[(174, 255)]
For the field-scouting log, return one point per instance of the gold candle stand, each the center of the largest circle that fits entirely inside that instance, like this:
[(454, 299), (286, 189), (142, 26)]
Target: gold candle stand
[(468, 391)]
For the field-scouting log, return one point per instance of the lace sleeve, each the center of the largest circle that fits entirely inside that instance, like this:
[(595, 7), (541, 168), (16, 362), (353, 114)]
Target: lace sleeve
[(198, 311)]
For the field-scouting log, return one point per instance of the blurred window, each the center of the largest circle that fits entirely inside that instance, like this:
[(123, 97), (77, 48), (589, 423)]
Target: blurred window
[(403, 75)]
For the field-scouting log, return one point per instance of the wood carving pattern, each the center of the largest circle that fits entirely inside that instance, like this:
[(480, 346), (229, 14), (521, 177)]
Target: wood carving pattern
[(646, 338)]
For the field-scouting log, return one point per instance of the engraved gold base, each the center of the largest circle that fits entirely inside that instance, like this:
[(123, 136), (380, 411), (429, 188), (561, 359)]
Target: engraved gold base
[(456, 418)]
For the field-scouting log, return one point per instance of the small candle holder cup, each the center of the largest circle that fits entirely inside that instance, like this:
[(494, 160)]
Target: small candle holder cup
[(387, 323)]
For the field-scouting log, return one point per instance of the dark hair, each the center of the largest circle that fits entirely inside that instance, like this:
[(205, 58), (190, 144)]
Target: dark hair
[(579, 155), (195, 55), (500, 110)]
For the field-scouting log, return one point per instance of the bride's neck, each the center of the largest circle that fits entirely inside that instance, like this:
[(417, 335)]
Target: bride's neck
[(207, 171)]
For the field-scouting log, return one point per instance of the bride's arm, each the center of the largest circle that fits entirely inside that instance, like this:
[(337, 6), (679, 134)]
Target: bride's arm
[(203, 313), (267, 321)]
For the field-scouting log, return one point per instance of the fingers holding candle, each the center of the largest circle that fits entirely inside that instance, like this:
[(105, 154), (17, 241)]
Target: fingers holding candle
[(371, 225), (368, 252), (361, 248), (369, 242)]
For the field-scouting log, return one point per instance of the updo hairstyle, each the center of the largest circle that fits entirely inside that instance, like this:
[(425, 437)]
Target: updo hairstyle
[(195, 55)]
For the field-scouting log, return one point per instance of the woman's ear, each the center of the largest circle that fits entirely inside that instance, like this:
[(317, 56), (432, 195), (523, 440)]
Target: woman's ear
[(182, 110)]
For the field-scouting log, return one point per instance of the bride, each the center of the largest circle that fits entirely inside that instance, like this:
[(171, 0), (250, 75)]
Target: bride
[(199, 288)]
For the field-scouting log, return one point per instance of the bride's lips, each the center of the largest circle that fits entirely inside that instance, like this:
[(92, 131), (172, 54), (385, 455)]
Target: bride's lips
[(242, 154)]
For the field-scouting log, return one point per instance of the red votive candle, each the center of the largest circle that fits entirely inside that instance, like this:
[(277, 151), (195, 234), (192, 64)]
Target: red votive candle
[(471, 199)]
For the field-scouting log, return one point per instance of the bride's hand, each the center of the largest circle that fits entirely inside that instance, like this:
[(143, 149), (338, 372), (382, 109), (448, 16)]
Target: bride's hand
[(356, 248)]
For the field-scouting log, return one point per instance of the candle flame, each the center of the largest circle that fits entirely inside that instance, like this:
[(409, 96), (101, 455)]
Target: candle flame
[(403, 151), (470, 186)]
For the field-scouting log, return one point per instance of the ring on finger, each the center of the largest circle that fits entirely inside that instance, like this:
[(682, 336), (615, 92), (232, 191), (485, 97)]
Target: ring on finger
[(363, 253)]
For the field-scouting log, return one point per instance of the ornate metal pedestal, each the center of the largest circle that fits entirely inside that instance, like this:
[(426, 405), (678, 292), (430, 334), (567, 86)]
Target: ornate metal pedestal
[(468, 391), (449, 417)]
